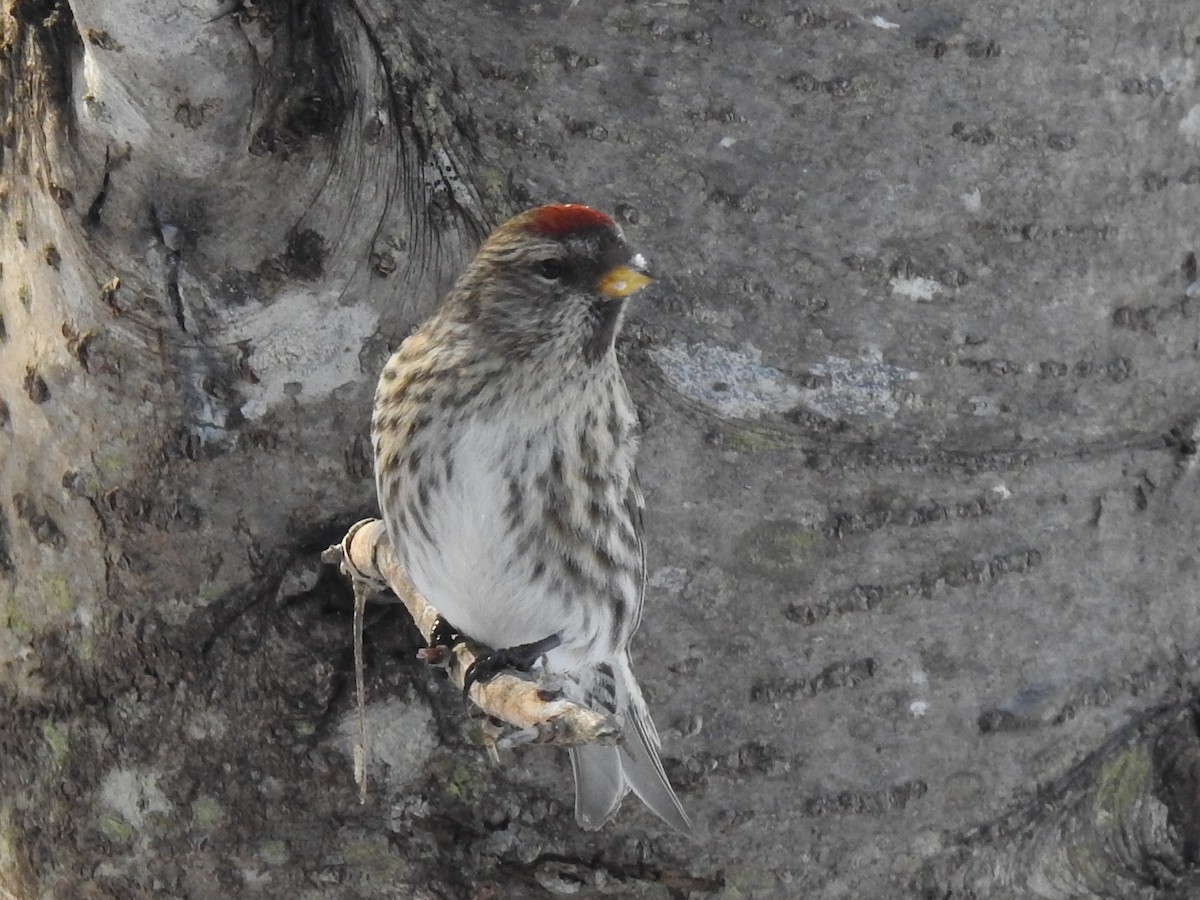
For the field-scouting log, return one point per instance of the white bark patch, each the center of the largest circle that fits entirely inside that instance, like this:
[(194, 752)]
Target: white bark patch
[(1189, 126), (400, 734), (858, 387), (301, 343), (1177, 73), (735, 383), (133, 794), (671, 579), (175, 91), (919, 288)]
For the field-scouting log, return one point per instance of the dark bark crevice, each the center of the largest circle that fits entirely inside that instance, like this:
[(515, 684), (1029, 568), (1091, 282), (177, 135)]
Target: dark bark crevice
[(1121, 824)]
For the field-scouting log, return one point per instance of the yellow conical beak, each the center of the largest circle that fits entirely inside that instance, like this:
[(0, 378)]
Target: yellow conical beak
[(621, 281)]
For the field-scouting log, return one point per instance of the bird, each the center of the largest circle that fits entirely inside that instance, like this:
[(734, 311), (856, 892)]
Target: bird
[(504, 442)]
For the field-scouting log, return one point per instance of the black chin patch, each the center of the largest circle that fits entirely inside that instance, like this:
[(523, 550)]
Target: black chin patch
[(603, 318)]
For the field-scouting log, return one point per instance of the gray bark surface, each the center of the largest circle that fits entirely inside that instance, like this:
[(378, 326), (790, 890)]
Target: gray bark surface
[(917, 381)]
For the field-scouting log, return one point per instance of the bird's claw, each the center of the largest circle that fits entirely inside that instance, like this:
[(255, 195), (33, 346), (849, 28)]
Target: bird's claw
[(519, 737), (560, 730), (442, 639), (491, 663), (443, 634)]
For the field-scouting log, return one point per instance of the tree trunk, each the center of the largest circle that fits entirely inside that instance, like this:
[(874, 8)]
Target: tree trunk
[(918, 391)]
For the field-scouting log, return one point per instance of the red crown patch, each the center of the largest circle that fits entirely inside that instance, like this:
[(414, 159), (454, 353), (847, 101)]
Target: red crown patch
[(562, 219)]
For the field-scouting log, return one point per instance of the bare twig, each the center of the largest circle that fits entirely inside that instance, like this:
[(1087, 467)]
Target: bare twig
[(360, 691), (365, 556)]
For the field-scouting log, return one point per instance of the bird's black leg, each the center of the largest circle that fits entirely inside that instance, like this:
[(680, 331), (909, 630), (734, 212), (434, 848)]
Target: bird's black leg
[(442, 639), (444, 634), (521, 657)]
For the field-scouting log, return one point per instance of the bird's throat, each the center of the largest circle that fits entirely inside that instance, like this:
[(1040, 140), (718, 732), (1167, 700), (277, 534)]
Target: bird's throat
[(603, 322)]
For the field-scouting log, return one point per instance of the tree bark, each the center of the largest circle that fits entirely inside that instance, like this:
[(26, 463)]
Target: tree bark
[(917, 383)]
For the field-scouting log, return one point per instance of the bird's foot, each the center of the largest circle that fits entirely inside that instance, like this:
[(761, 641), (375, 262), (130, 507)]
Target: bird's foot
[(551, 686), (442, 639), (491, 663), (444, 634)]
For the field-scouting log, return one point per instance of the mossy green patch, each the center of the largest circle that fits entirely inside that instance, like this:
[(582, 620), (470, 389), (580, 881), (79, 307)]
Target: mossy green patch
[(115, 827), (1089, 862), (749, 440), (1119, 786), (57, 740), (13, 618), (459, 780), (373, 860), (88, 485), (9, 841), (211, 592), (748, 884), (778, 545), (464, 783), (112, 466), (274, 853), (56, 593), (207, 813)]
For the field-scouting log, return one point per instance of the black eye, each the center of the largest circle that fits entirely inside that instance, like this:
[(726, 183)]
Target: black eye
[(550, 269)]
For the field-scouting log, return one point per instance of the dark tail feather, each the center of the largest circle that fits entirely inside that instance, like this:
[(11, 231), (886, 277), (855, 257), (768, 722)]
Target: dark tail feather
[(599, 784), (639, 754), (603, 775)]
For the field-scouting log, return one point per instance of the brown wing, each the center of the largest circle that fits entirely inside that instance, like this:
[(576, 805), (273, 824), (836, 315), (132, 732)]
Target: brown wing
[(634, 504)]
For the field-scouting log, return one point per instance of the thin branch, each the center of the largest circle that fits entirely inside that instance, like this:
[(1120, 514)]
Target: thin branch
[(365, 556)]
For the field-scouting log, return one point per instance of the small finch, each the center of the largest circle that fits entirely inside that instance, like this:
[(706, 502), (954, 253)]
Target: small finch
[(504, 461)]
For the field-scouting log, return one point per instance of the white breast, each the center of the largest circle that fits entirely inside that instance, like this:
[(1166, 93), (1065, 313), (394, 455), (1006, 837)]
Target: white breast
[(472, 570), (500, 569)]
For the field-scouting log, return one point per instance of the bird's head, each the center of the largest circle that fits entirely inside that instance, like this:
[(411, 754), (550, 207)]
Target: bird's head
[(551, 282)]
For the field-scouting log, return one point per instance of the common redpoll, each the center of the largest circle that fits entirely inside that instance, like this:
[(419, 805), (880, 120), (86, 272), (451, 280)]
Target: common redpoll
[(504, 461)]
